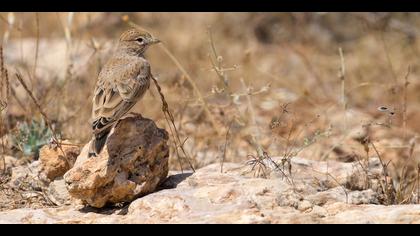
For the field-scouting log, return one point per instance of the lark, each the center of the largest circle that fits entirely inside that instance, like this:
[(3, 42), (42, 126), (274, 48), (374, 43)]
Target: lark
[(122, 82)]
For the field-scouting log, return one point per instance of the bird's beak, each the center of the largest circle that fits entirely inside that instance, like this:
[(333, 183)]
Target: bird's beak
[(154, 41)]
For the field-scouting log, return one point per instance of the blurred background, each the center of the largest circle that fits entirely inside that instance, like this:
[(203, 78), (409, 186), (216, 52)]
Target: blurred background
[(321, 86)]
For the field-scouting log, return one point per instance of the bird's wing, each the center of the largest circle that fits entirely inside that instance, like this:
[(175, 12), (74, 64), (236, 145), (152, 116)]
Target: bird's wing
[(115, 96)]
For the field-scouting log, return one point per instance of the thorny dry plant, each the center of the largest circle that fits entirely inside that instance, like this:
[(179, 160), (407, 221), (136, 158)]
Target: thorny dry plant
[(261, 163), (386, 182), (406, 184), (172, 127), (216, 60), (262, 167)]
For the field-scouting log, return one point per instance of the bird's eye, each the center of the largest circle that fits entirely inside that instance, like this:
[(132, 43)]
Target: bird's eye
[(140, 40)]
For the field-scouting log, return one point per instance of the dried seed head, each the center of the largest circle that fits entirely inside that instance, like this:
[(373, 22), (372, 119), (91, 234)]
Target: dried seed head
[(125, 17), (383, 109)]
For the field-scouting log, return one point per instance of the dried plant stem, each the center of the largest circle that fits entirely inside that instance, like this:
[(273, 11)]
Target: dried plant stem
[(4, 81), (21, 39), (418, 183), (225, 147), (4, 103), (380, 159), (262, 160), (19, 102), (196, 90), (35, 101), (308, 65), (10, 24), (213, 47), (336, 181), (255, 134), (2, 152), (220, 71), (171, 122), (4, 20), (405, 98), (388, 58), (37, 45), (384, 170), (46, 119), (342, 78)]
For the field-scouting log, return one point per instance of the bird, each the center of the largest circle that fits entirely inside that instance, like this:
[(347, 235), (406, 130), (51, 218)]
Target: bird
[(121, 83)]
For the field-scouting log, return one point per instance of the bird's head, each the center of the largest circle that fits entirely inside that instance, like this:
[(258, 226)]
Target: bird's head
[(136, 41)]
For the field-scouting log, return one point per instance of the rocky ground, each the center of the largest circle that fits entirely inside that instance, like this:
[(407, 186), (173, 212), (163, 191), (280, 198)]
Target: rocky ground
[(321, 192)]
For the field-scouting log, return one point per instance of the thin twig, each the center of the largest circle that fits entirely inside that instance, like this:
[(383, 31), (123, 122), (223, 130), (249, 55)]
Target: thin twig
[(384, 170), (19, 102), (418, 183), (3, 148), (37, 45), (171, 122), (4, 20), (255, 134), (4, 81), (342, 78), (308, 65), (46, 119), (405, 98), (4, 103), (196, 90), (225, 147), (403, 175), (220, 71), (388, 58), (34, 100), (10, 25)]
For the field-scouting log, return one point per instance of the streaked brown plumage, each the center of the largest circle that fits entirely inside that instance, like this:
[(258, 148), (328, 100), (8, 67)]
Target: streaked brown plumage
[(122, 82)]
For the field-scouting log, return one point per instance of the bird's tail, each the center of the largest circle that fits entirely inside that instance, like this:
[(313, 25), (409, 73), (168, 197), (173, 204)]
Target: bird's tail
[(98, 142)]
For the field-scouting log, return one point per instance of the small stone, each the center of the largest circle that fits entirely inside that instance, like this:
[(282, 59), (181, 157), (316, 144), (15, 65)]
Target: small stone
[(56, 161), (58, 193), (319, 211), (304, 205)]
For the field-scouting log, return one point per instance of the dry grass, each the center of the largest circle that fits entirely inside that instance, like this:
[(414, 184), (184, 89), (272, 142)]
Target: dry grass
[(240, 85)]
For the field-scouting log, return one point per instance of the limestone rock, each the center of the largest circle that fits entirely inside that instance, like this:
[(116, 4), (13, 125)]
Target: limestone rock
[(133, 163), (305, 205), (209, 196), (57, 193), (57, 161)]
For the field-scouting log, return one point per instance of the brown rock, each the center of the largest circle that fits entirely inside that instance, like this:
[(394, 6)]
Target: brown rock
[(133, 163), (56, 161)]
